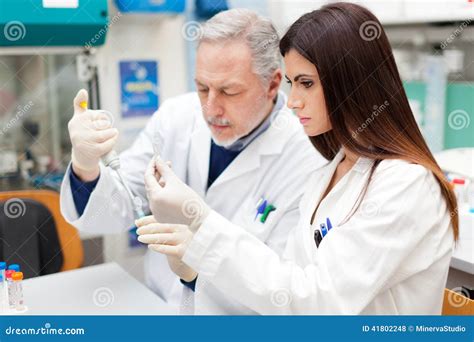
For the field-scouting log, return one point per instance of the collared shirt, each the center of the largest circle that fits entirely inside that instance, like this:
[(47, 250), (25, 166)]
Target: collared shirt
[(243, 142), (221, 157)]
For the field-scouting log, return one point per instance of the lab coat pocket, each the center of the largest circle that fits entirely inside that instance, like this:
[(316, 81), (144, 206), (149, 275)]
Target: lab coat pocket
[(247, 218)]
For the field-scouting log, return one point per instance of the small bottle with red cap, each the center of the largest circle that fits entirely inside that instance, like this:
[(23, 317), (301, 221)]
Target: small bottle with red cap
[(460, 190), (8, 277)]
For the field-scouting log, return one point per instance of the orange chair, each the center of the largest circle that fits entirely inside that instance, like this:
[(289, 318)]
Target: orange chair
[(71, 245), (457, 304)]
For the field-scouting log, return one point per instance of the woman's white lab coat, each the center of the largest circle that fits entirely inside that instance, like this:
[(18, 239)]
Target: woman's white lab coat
[(391, 257)]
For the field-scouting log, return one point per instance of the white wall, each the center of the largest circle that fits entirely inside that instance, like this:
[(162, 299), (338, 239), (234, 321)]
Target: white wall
[(285, 12), (141, 36)]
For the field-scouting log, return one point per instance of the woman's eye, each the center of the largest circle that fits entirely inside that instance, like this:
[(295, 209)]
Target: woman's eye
[(288, 81), (203, 90), (307, 84)]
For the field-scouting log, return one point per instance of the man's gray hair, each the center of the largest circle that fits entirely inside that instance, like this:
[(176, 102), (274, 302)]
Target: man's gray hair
[(257, 31)]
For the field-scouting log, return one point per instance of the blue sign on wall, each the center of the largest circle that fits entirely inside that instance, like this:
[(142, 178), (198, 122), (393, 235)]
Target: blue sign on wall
[(139, 88), (156, 6)]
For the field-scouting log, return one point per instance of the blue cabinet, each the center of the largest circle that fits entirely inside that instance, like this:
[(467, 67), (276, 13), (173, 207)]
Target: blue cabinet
[(70, 23)]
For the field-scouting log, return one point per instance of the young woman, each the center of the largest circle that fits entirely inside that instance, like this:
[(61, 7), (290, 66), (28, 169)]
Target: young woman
[(377, 223)]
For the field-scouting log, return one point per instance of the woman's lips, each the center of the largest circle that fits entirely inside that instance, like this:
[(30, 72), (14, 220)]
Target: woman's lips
[(304, 120)]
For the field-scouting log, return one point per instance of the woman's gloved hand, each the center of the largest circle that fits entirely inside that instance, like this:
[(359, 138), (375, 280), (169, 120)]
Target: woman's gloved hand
[(171, 200), (169, 239)]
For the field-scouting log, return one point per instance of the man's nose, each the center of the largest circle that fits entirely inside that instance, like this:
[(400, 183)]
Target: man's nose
[(213, 105)]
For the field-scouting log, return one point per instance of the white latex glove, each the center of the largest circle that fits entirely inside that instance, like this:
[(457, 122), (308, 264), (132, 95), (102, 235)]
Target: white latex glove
[(169, 239), (92, 135), (171, 200)]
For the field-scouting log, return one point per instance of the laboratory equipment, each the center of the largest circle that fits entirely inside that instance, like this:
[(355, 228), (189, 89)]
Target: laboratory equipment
[(459, 167), (32, 114), (43, 163), (470, 194), (53, 23), (8, 161), (157, 143), (25, 168), (11, 290), (436, 81), (9, 285), (17, 292), (14, 267), (3, 267), (460, 190), (112, 160), (3, 295)]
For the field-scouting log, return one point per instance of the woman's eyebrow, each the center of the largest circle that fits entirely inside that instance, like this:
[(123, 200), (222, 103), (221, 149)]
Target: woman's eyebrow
[(303, 75), (299, 76)]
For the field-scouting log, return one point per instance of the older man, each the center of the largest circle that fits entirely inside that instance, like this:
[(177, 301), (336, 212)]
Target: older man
[(234, 142)]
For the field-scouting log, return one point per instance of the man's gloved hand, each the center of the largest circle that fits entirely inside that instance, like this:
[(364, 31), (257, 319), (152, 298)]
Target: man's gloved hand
[(171, 200), (92, 136), (169, 239)]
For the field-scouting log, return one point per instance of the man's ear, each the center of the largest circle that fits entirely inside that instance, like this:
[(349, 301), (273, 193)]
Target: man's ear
[(274, 84)]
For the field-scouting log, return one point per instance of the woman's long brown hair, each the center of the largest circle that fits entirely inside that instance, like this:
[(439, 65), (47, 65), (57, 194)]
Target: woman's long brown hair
[(367, 105)]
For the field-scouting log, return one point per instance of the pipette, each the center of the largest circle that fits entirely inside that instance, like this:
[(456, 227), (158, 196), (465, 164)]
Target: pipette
[(157, 143), (112, 160)]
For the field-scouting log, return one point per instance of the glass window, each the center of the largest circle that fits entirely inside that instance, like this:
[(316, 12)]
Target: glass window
[(36, 93)]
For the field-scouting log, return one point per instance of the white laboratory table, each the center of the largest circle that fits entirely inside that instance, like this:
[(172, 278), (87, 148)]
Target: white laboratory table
[(463, 254), (104, 289)]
